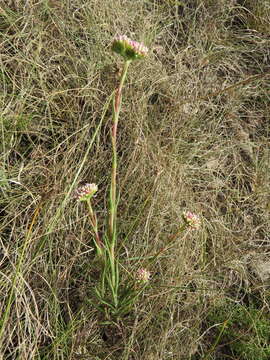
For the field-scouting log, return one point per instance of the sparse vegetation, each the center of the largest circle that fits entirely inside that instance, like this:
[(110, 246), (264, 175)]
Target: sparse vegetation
[(194, 134)]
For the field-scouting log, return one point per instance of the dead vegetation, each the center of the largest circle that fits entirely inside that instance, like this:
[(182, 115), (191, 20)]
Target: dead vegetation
[(194, 134)]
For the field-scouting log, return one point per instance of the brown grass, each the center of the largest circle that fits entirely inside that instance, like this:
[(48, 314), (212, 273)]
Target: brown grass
[(184, 143)]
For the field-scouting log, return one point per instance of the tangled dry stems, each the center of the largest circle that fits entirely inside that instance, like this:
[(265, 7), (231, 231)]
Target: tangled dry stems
[(180, 148)]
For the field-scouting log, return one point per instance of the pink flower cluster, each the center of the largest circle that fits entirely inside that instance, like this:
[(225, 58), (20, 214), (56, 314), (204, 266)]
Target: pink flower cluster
[(137, 46), (143, 275), (192, 220), (85, 192), (128, 48)]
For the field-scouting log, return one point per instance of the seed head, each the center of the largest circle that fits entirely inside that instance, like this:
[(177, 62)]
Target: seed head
[(85, 192), (129, 49), (192, 220)]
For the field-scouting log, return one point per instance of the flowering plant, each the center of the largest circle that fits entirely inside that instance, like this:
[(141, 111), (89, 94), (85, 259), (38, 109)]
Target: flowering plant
[(114, 298)]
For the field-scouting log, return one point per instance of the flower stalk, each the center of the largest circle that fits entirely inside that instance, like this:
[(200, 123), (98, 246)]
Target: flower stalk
[(191, 221), (116, 111), (113, 273), (94, 224)]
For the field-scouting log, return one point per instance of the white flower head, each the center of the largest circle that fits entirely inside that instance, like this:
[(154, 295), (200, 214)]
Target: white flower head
[(143, 275), (85, 192)]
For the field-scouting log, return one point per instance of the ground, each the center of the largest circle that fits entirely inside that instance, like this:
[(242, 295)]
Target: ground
[(193, 135)]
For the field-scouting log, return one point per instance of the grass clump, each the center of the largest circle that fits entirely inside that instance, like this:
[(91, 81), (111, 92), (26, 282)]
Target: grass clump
[(241, 331)]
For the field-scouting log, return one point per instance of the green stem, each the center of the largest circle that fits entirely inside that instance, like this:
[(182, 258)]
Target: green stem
[(93, 221), (116, 111), (113, 277)]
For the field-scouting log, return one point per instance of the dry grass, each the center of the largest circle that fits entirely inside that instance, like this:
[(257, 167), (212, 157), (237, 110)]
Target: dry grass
[(184, 144)]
